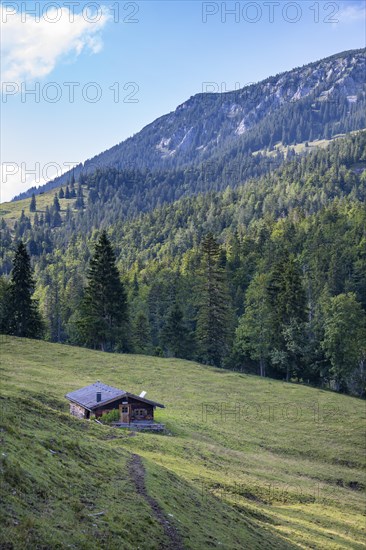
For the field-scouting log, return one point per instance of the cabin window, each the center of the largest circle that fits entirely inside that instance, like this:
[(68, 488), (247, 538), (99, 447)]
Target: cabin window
[(125, 409), (140, 412)]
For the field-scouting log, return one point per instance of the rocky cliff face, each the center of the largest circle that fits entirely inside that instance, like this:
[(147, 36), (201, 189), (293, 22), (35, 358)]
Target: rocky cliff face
[(315, 101), (208, 120)]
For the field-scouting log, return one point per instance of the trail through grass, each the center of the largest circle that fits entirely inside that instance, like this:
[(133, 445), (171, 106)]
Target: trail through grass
[(247, 462)]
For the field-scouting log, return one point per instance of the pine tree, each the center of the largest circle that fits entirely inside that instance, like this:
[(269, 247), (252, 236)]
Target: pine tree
[(141, 334), (103, 312), (286, 290), (23, 318), (53, 310), (67, 192), (47, 216), (214, 319), (344, 340), (82, 179), (61, 194), (4, 298), (56, 219), (79, 203), (175, 335), (56, 204), (68, 215), (288, 301), (33, 204), (72, 189), (135, 285), (254, 334)]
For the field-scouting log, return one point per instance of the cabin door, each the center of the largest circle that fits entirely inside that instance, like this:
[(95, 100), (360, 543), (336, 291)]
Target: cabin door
[(124, 413)]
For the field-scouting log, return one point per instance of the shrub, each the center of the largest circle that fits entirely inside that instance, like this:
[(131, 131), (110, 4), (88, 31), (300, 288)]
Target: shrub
[(112, 416)]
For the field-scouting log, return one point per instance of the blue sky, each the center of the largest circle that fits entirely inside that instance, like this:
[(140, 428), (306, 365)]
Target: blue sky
[(156, 53)]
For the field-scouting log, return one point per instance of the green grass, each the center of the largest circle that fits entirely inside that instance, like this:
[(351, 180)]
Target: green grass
[(11, 211), (300, 148), (280, 467)]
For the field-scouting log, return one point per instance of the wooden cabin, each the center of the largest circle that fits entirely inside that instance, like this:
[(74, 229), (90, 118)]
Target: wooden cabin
[(98, 399)]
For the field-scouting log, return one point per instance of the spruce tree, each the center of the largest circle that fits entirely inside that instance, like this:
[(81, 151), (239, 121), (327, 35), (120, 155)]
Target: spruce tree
[(253, 336), (33, 204), (47, 216), (56, 204), (103, 312), (79, 203), (22, 317), (141, 334), (72, 189), (214, 319), (175, 335), (288, 301), (344, 341), (4, 296), (135, 285), (56, 219), (61, 194)]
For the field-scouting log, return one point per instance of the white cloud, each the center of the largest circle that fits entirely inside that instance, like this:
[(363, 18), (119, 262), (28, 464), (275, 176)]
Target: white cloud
[(351, 13), (31, 48)]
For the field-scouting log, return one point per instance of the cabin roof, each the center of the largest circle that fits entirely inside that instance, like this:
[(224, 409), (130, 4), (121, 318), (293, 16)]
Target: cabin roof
[(87, 396)]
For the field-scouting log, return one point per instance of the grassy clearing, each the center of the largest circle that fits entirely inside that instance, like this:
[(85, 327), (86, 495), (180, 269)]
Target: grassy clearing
[(302, 147), (11, 211), (249, 463)]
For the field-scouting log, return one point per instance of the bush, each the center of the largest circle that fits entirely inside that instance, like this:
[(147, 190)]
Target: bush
[(112, 416)]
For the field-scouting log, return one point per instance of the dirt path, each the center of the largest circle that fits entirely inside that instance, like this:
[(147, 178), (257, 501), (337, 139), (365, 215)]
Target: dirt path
[(137, 472)]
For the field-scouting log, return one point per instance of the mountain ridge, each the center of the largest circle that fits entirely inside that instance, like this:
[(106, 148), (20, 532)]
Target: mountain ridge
[(209, 127)]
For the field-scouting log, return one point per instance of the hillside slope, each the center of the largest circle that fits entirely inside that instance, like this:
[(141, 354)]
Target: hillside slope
[(316, 101), (248, 463)]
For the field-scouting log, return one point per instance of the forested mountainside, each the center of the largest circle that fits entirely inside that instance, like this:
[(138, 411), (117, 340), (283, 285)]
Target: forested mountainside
[(287, 252), (214, 130)]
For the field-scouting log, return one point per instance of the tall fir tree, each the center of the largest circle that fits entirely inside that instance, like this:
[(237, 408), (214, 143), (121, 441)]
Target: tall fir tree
[(214, 316), (56, 203), (175, 334), (288, 301), (47, 216), (344, 342), (79, 203), (22, 315), (141, 334), (103, 320), (4, 294), (33, 204), (253, 336), (56, 219)]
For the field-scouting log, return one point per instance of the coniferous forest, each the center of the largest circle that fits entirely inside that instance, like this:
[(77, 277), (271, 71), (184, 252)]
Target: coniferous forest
[(267, 278)]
